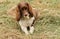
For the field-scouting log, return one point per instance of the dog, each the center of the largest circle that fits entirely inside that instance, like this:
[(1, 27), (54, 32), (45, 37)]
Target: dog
[(25, 15)]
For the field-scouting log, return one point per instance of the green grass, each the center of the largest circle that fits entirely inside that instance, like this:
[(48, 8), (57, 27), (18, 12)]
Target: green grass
[(46, 27)]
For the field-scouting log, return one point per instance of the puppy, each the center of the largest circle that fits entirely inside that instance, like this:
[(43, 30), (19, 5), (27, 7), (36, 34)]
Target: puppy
[(25, 15)]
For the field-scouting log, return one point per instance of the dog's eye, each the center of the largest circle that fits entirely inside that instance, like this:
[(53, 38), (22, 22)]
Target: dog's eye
[(24, 8)]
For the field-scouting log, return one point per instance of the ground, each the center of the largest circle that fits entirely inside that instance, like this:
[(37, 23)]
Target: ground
[(46, 27)]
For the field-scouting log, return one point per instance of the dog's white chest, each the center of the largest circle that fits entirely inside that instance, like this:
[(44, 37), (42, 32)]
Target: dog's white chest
[(26, 22)]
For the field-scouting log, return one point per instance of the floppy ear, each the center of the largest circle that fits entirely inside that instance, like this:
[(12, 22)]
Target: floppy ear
[(33, 11), (29, 8), (14, 13), (36, 13)]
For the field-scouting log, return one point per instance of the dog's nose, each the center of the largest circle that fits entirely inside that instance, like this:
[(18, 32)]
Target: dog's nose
[(25, 14)]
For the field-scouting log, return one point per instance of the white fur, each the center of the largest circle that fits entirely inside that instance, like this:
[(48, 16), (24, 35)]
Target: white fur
[(26, 22), (24, 29), (31, 30)]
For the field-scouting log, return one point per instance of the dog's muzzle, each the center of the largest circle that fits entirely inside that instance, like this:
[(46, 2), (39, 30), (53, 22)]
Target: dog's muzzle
[(26, 16)]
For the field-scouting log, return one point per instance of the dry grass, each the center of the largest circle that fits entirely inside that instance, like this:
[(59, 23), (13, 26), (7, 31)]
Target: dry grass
[(46, 27)]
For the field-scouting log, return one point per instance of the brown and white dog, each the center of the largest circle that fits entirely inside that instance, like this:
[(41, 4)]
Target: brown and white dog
[(25, 15)]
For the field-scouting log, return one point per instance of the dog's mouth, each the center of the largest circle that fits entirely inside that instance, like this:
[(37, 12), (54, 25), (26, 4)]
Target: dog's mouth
[(26, 17)]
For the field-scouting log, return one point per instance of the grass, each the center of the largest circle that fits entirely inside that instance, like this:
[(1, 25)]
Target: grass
[(46, 27)]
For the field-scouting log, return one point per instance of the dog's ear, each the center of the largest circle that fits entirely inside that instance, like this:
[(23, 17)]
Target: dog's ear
[(19, 6), (29, 8), (36, 13), (33, 11), (14, 13)]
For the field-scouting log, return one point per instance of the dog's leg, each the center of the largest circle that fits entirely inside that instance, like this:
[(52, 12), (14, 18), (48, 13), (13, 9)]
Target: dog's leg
[(31, 29), (24, 29)]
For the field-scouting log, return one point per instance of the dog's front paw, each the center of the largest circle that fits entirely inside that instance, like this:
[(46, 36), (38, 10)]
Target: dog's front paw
[(31, 30), (27, 33)]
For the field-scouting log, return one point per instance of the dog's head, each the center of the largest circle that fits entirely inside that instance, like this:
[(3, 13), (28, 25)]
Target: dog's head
[(25, 10), (22, 10)]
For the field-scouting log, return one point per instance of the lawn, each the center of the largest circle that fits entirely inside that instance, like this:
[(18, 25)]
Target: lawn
[(46, 27)]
